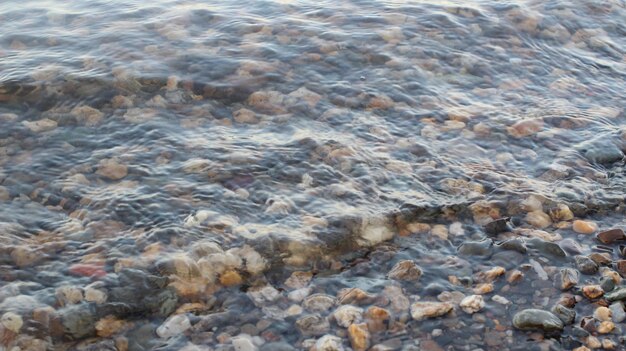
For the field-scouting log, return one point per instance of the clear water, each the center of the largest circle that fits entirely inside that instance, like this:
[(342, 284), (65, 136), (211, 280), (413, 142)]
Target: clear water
[(310, 132)]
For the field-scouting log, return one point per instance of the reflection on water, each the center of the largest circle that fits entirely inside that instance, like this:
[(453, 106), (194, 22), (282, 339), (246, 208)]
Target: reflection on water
[(281, 175)]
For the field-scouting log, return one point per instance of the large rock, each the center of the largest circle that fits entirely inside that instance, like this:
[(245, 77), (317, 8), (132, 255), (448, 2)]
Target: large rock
[(405, 270), (537, 319)]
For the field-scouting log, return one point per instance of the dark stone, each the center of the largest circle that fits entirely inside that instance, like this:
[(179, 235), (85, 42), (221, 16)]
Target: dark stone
[(500, 225), (546, 247), (586, 265), (537, 319), (79, 321), (514, 245), (607, 284), (566, 315)]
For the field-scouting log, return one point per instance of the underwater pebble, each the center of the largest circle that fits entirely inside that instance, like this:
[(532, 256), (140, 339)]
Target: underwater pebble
[(472, 304)]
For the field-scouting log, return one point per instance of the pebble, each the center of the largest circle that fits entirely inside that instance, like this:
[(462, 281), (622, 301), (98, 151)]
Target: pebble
[(440, 231), (231, 278), (566, 315), (245, 116), (586, 265), (606, 327), (40, 126), (602, 314), (593, 291), (472, 304), (359, 336), (611, 236), (319, 302), (405, 270), (12, 321), (593, 342), (109, 326), (347, 314), (69, 295), (243, 343), (569, 278), (312, 325), (112, 169), (95, 295), (501, 300), (378, 319), (173, 326), (618, 314), (538, 219), (537, 319), (584, 227), (299, 280), (87, 115), (328, 343), (422, 310), (525, 128)]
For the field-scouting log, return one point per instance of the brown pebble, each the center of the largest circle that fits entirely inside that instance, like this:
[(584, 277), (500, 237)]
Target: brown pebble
[(359, 336), (378, 319), (611, 236), (593, 291), (515, 276), (230, 278)]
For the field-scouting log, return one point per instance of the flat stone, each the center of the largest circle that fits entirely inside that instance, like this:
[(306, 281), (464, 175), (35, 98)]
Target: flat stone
[(586, 265), (347, 314), (618, 314), (173, 326), (611, 236), (359, 336), (405, 270), (569, 277), (423, 310), (566, 315), (537, 319), (616, 295)]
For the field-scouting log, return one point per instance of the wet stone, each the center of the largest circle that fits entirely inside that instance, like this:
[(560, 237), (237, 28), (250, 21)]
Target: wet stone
[(568, 278), (586, 265), (537, 319), (616, 295), (319, 302), (405, 270), (359, 337), (592, 291), (611, 236), (424, 310), (472, 304), (618, 314), (328, 343), (566, 315), (584, 227), (313, 325), (347, 314)]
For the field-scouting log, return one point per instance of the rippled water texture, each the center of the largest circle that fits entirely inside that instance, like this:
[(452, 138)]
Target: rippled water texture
[(227, 175)]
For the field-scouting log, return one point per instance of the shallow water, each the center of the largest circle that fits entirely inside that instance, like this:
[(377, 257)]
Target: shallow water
[(336, 138)]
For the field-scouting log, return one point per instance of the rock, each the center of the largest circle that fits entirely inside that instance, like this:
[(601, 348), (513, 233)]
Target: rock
[(606, 327), (618, 314), (423, 310), (538, 219), (347, 314), (586, 265), (616, 295), (12, 321), (378, 319), (561, 213), (566, 315), (78, 321), (243, 343), (5, 194), (537, 319), (440, 231), (109, 326), (87, 115), (546, 247), (359, 336), (230, 278), (328, 343), (173, 326), (312, 325), (111, 168), (476, 248), (40, 126), (500, 225), (24, 256), (571, 246), (69, 295), (245, 116), (319, 302), (602, 313), (255, 264), (490, 275), (263, 295), (514, 277), (592, 291), (405, 270), (568, 278), (299, 280), (501, 300), (472, 304), (374, 230), (584, 227), (95, 295), (525, 128), (299, 294), (482, 289), (611, 236)]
